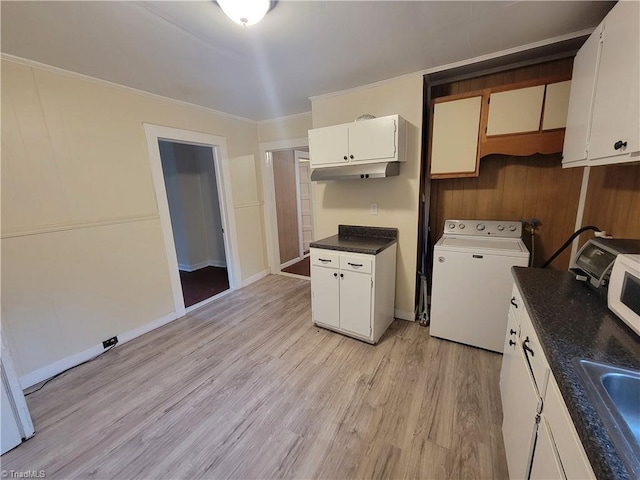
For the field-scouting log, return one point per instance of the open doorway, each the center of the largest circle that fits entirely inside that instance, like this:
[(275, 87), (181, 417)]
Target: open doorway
[(204, 162), (194, 207), (293, 208)]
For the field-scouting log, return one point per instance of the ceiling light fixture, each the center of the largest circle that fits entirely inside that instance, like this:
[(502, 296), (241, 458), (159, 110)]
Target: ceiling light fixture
[(245, 12)]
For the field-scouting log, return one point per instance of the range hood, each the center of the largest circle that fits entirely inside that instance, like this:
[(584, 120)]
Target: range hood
[(356, 172)]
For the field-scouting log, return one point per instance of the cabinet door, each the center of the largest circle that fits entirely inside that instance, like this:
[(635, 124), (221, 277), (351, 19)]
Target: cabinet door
[(556, 105), (325, 296), (454, 139), (520, 407), (585, 67), (373, 140), (328, 146), (546, 464), (615, 117), (355, 302), (515, 111)]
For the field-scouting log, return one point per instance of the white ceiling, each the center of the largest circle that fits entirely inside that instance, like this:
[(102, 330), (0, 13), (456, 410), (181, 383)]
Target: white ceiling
[(190, 51)]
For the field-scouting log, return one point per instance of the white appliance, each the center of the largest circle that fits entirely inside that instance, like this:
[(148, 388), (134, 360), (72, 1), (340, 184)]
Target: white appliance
[(472, 280), (16, 421), (624, 290)]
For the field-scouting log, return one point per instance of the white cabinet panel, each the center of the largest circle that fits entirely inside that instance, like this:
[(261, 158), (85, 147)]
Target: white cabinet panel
[(325, 296), (556, 105), (546, 464), (515, 111), (456, 125), (511, 353), (355, 302), (520, 407), (10, 435), (615, 118), (373, 139), (328, 146)]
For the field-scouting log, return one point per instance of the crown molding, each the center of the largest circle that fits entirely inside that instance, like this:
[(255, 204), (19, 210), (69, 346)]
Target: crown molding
[(43, 66), (461, 63)]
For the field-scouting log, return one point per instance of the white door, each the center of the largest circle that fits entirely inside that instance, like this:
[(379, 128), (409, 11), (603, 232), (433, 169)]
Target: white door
[(510, 352), (355, 302), (520, 404), (306, 207), (546, 464), (325, 296), (10, 436), (372, 139), (328, 145)]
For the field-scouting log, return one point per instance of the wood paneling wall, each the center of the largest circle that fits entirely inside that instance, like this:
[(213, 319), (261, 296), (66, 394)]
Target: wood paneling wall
[(613, 201), (284, 179), (515, 188)]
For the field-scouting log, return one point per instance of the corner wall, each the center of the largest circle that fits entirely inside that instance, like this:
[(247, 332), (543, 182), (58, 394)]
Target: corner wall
[(347, 202), (83, 256)]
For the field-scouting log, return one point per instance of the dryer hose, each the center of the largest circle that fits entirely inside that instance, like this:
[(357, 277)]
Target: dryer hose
[(568, 242)]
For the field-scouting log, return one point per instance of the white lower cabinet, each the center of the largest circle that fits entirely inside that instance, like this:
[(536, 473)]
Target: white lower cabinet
[(353, 293), (539, 437)]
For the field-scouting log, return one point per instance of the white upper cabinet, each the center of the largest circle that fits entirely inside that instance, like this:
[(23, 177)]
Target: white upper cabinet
[(515, 111), (603, 124), (454, 144), (368, 141)]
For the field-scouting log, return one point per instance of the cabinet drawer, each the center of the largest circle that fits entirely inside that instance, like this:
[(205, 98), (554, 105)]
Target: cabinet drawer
[(356, 264), (322, 258)]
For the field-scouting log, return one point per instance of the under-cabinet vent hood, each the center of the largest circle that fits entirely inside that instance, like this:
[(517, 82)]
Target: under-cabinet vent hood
[(356, 172)]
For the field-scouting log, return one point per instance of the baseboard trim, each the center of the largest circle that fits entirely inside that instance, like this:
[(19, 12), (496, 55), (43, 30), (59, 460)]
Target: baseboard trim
[(197, 266), (44, 373), (255, 278), (404, 315), (291, 262)]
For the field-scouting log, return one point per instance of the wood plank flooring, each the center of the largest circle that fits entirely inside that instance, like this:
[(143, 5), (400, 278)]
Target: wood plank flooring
[(247, 387)]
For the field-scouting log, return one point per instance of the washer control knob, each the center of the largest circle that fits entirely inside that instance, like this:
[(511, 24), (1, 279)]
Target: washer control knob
[(480, 227), (461, 226), (452, 225), (512, 228), (500, 228)]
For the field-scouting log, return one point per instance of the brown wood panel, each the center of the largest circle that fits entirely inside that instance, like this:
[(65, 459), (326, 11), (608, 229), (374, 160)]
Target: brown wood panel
[(284, 179), (613, 201), (515, 188)]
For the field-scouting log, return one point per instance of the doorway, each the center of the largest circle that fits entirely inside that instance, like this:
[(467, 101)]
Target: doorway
[(293, 209), (195, 205)]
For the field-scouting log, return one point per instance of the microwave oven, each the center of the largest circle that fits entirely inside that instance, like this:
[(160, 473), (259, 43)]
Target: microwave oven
[(623, 297)]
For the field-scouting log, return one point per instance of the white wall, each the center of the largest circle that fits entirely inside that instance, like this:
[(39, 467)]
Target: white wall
[(347, 202), (82, 247), (285, 128)]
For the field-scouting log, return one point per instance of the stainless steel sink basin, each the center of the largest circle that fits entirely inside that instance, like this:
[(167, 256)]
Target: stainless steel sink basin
[(615, 393)]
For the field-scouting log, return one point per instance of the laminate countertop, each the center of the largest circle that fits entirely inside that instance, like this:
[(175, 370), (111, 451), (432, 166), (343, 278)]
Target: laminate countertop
[(357, 239), (573, 321)]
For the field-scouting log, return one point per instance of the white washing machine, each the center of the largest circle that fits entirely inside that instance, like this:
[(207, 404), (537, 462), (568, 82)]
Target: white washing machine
[(472, 280)]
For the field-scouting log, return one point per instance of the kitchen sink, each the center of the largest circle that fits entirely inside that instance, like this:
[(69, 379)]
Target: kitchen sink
[(615, 393)]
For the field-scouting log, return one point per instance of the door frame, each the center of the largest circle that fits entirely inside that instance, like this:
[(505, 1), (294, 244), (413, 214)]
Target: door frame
[(300, 155), (271, 220), (218, 145)]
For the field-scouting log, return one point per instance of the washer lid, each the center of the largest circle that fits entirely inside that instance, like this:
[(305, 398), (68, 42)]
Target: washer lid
[(503, 246)]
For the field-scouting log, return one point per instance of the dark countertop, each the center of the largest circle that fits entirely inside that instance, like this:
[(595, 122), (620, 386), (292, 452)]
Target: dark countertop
[(571, 321), (355, 239)]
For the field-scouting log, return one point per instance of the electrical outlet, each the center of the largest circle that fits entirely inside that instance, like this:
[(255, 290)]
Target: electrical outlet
[(373, 208), (110, 342)]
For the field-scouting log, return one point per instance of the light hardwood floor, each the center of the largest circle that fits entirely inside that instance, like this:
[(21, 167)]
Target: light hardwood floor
[(247, 387)]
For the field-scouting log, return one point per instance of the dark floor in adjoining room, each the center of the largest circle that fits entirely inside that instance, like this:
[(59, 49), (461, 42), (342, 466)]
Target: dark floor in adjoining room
[(303, 267), (203, 283)]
